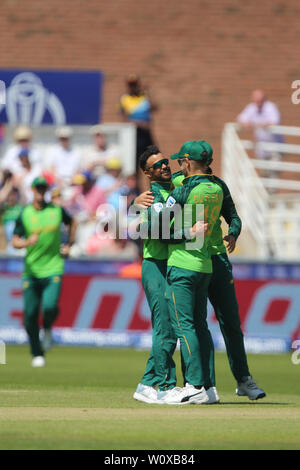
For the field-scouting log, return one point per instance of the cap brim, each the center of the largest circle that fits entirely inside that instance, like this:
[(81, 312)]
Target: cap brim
[(175, 156), (40, 185)]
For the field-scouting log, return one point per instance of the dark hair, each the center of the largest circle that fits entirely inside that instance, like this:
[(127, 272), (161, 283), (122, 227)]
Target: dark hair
[(150, 150)]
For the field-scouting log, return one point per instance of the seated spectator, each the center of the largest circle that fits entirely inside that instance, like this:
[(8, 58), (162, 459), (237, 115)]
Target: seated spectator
[(10, 211), (131, 189), (25, 175), (23, 139), (259, 115), (108, 245), (111, 182), (86, 197), (63, 160), (95, 157)]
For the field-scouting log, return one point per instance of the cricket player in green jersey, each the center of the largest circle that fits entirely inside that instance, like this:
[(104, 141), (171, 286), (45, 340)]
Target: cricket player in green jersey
[(160, 368), (188, 276), (38, 229), (221, 291)]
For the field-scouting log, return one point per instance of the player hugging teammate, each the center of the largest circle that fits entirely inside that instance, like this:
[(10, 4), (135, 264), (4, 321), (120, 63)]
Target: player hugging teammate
[(178, 278)]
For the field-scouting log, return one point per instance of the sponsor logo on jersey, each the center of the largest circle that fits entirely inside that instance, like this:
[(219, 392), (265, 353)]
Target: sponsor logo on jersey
[(158, 206), (170, 202)]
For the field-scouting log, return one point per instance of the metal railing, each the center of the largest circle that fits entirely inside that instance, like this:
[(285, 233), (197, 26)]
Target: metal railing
[(269, 204)]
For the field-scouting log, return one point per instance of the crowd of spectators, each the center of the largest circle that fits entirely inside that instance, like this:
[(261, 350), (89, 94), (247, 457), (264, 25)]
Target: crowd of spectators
[(82, 181)]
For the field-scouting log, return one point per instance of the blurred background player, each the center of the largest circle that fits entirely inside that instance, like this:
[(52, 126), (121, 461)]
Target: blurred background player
[(38, 229), (137, 107)]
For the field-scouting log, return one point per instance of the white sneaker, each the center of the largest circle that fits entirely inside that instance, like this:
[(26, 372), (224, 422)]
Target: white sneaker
[(171, 397), (38, 361), (201, 398), (247, 387), (183, 396), (145, 393), (47, 339), (213, 396)]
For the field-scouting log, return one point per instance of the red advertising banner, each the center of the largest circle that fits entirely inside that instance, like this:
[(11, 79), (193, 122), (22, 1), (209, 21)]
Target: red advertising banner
[(268, 308)]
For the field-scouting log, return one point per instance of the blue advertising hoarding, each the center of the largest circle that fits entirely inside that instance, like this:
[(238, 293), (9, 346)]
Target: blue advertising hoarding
[(37, 97)]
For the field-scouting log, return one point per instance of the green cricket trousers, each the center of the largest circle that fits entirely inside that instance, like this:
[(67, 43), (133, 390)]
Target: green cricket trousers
[(187, 299), (160, 368), (40, 293), (221, 293)]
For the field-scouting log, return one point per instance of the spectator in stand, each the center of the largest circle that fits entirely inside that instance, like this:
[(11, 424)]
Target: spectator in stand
[(24, 177), (10, 211), (259, 115), (23, 139), (137, 107), (63, 160), (131, 189), (87, 196), (95, 157), (112, 183)]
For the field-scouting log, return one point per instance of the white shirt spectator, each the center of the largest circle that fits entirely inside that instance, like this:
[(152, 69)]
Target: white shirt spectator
[(266, 115), (94, 159), (64, 162), (11, 161)]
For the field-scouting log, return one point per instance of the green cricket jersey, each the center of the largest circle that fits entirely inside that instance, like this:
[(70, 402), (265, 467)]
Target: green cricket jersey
[(43, 259), (228, 211), (195, 189), (155, 248)]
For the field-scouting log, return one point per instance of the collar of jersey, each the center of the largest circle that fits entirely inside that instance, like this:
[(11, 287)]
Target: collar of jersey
[(163, 184), (197, 176)]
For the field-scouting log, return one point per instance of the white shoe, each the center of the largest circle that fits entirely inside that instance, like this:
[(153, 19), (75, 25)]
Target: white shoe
[(38, 361), (145, 393), (201, 398), (47, 339), (247, 387), (213, 396), (183, 396)]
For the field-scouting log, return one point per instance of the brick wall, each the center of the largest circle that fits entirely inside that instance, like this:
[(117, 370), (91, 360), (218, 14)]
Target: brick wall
[(200, 58)]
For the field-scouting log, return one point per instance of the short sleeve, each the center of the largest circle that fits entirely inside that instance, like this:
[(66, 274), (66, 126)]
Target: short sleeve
[(66, 217), (19, 227)]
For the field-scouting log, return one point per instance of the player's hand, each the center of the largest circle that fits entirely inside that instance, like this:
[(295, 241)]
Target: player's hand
[(231, 243), (32, 239), (145, 199), (65, 250), (198, 228)]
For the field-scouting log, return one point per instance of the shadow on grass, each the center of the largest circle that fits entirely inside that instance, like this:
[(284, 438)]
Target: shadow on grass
[(253, 403)]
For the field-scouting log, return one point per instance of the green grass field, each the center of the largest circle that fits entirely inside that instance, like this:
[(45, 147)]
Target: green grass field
[(83, 399)]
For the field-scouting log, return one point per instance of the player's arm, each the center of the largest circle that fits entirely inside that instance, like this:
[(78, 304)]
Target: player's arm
[(229, 212), (144, 199), (160, 221), (72, 224), (19, 239)]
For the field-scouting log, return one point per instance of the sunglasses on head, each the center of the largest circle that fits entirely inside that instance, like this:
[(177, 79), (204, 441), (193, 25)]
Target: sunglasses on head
[(159, 164)]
